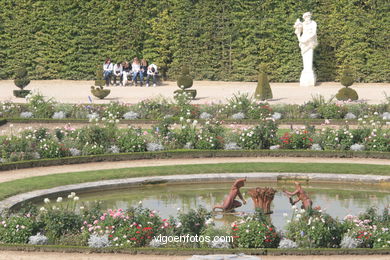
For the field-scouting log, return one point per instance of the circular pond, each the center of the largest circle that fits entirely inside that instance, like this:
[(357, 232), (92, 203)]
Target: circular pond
[(338, 200)]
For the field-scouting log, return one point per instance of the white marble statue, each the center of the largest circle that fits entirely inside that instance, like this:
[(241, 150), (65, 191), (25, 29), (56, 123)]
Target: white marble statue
[(306, 32)]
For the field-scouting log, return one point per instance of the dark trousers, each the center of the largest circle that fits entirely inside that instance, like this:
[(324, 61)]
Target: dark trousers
[(154, 78), (120, 77)]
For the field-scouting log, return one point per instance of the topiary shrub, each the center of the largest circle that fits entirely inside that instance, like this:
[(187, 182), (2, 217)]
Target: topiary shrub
[(263, 90), (347, 80), (347, 94), (99, 78), (21, 81), (99, 91), (184, 82), (347, 77)]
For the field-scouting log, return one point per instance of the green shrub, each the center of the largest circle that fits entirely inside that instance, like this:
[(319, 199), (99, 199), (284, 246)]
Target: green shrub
[(263, 89), (40, 107), (185, 80), (188, 92), (131, 140), (21, 78), (240, 103), (95, 134), (100, 82), (328, 111), (52, 149), (192, 222), (17, 229), (259, 137), (347, 78), (347, 94), (314, 229), (255, 231), (99, 92), (59, 222), (22, 93), (22, 83), (114, 110)]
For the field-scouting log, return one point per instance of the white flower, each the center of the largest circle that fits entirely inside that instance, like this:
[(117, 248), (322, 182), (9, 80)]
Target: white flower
[(76, 198), (59, 199), (42, 209), (140, 202), (81, 207), (285, 214), (46, 200)]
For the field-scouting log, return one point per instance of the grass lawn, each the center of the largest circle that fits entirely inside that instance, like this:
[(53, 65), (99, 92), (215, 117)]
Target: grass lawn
[(11, 188)]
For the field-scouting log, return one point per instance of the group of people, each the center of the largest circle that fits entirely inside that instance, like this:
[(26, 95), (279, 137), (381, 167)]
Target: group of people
[(121, 72)]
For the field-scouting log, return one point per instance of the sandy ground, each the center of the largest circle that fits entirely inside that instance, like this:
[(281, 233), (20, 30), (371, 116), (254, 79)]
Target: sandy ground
[(8, 255), (69, 91), (40, 171)]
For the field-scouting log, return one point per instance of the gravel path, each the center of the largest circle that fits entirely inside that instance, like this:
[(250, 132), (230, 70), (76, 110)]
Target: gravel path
[(70, 91), (40, 171)]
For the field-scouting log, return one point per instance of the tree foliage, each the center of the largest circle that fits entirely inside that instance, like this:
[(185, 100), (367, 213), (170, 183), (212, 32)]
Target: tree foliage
[(220, 40)]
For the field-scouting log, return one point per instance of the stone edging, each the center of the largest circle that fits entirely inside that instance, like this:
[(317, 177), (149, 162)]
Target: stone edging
[(16, 200)]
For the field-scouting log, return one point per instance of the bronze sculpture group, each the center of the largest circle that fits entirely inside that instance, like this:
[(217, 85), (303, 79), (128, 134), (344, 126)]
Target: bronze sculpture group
[(262, 197)]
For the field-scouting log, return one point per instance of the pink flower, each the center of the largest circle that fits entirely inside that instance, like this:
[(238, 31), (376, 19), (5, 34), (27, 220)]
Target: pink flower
[(102, 218), (95, 222)]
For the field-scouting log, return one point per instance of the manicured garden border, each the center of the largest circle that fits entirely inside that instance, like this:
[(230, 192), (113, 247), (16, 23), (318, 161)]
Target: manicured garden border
[(193, 251), (302, 121), (183, 154)]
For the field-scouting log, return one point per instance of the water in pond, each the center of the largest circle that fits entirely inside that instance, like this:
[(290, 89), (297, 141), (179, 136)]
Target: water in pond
[(336, 199)]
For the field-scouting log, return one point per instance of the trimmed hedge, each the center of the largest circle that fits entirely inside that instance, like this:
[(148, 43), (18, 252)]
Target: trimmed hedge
[(177, 31), (183, 154), (193, 251)]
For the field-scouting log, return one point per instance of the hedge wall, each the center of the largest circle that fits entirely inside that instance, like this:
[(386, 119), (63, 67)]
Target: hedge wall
[(219, 39)]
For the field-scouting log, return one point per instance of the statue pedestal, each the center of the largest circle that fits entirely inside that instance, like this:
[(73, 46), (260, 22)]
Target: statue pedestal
[(308, 79)]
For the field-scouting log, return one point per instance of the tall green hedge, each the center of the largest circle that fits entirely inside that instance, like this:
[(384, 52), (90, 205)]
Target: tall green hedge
[(220, 39)]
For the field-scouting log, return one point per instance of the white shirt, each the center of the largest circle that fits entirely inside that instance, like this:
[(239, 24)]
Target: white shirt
[(135, 67), (150, 72), (108, 67), (118, 70)]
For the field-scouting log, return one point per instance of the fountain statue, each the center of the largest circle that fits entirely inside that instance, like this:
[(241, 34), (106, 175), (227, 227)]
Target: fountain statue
[(301, 196), (262, 198), (306, 32), (230, 203)]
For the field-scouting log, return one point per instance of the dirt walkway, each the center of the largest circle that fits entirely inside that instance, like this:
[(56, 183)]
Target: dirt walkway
[(70, 91), (40, 171), (11, 255)]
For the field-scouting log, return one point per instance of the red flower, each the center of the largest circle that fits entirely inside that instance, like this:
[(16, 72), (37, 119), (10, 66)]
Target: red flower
[(270, 229), (110, 236), (133, 238)]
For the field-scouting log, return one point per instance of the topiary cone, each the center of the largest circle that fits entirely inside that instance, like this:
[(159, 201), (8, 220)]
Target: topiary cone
[(263, 89)]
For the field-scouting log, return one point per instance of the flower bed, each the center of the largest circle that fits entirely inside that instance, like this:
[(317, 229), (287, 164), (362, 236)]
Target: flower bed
[(239, 107), (105, 137), (64, 222)]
